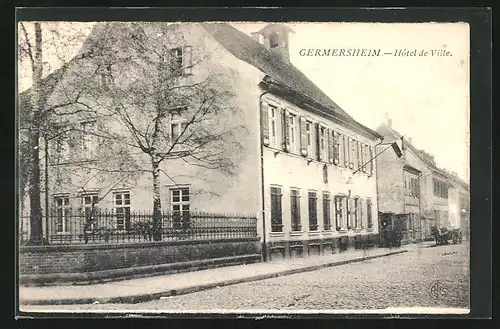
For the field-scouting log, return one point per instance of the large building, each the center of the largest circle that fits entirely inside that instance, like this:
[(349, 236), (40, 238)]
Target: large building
[(414, 188), (300, 164)]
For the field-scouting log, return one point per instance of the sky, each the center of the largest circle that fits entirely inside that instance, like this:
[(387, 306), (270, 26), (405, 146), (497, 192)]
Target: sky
[(427, 98)]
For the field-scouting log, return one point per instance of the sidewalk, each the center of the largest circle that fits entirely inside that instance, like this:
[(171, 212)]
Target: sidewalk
[(151, 288)]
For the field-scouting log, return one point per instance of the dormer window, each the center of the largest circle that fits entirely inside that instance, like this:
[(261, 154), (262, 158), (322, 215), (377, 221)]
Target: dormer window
[(274, 40)]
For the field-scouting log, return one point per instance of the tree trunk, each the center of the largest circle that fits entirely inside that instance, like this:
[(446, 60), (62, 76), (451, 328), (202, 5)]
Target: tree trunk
[(36, 234), (157, 216)]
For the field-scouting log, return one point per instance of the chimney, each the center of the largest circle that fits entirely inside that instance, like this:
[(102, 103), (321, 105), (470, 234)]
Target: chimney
[(409, 140), (389, 122), (275, 38)]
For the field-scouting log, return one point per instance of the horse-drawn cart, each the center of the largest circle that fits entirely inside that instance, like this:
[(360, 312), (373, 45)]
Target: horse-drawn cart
[(443, 235)]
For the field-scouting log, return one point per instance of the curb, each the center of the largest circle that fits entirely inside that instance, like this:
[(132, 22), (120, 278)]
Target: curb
[(134, 299)]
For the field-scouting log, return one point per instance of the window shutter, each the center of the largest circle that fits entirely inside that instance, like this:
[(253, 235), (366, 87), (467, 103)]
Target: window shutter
[(346, 150), (350, 144), (329, 134), (335, 147), (371, 162), (361, 219), (303, 137), (361, 159), (187, 60), (264, 122), (318, 148), (285, 130), (365, 157)]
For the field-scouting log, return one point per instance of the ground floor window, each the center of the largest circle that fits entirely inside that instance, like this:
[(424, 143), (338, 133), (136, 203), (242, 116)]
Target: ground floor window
[(90, 205), (313, 211), (327, 224), (369, 218), (181, 199), (350, 213), (295, 210), (340, 212), (276, 210), (357, 216), (122, 210), (63, 214)]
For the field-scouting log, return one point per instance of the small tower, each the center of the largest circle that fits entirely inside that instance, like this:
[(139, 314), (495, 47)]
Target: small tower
[(275, 38)]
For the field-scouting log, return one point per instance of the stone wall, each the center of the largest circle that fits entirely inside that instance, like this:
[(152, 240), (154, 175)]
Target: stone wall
[(70, 263)]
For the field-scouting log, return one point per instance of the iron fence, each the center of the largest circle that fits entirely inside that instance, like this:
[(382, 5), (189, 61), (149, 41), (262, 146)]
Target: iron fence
[(103, 226)]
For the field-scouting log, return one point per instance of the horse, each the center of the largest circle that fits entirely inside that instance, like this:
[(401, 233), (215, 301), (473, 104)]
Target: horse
[(442, 235)]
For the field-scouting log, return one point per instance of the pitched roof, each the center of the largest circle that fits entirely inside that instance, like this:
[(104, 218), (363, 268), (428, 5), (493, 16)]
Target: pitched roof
[(252, 52), (391, 134)]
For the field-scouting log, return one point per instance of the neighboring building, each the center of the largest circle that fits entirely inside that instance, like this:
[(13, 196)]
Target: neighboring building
[(459, 203), (294, 171), (412, 186)]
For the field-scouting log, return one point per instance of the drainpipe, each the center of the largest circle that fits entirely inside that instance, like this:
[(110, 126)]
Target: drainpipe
[(47, 233), (420, 205), (376, 192), (264, 242)]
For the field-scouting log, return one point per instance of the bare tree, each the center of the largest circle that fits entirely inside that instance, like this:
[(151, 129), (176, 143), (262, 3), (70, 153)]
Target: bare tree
[(164, 109), (36, 108)]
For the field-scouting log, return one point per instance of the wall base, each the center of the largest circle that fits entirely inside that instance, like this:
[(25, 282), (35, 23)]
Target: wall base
[(289, 249)]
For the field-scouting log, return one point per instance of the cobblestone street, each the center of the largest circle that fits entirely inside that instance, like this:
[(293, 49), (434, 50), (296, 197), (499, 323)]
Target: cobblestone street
[(422, 277)]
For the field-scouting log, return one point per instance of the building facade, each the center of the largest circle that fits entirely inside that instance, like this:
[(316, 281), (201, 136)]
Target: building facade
[(459, 204), (300, 164), (414, 187)]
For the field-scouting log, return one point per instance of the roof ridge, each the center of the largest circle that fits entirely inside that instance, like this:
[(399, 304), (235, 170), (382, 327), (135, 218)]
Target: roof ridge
[(246, 38)]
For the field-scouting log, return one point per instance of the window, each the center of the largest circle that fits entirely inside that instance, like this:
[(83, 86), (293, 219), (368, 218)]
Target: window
[(274, 40), (292, 121), (369, 218), (352, 153), (105, 76), (309, 137), (322, 143), (336, 148), (366, 158), (371, 162), (180, 201), (313, 212), (88, 145), (264, 122), (90, 203), (340, 202), (272, 125), (176, 61), (414, 187), (178, 125), (345, 150), (440, 188), (295, 210), (327, 224), (122, 210), (276, 213), (358, 215), (351, 216), (359, 154), (63, 214), (181, 61), (61, 149)]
